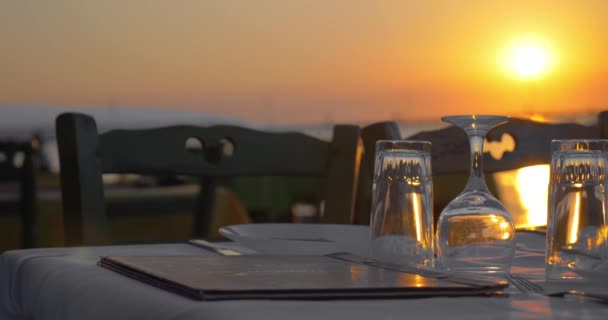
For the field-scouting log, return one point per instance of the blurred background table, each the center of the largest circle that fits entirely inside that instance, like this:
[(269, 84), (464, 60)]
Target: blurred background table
[(152, 212)]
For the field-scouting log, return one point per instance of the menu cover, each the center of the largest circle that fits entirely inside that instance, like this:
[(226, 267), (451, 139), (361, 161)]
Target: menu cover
[(337, 276)]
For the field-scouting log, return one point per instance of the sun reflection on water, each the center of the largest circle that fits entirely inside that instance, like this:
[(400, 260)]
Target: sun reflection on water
[(524, 192)]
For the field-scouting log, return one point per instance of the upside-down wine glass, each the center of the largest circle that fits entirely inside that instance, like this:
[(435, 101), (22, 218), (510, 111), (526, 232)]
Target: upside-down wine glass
[(475, 233)]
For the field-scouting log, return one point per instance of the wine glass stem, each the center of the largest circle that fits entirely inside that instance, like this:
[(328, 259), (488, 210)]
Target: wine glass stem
[(476, 179)]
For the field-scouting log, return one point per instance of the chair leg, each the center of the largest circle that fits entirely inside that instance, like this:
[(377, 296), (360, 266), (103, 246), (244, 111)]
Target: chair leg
[(206, 199), (28, 205)]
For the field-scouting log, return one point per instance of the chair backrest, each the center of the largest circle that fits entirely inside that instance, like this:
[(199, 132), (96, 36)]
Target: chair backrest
[(518, 143), (16, 164), (386, 130), (207, 152)]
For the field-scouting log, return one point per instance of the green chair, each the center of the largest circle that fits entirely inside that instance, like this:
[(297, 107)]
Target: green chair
[(211, 153)]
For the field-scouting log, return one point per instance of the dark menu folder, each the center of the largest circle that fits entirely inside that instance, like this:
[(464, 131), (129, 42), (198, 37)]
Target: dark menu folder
[(337, 276)]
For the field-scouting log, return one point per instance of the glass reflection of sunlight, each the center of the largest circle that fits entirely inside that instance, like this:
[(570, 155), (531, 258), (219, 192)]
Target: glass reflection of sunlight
[(412, 280), (417, 215), (355, 273), (573, 221)]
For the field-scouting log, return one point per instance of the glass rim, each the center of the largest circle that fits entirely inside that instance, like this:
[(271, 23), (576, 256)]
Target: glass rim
[(470, 116), (422, 142), (403, 145), (579, 145), (578, 140)]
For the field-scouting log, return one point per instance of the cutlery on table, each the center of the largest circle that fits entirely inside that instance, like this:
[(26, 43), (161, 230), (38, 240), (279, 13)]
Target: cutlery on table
[(530, 287), (218, 248), (603, 297), (524, 285)]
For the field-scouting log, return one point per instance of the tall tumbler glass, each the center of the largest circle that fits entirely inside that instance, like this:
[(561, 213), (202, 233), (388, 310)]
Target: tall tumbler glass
[(578, 203), (402, 203)]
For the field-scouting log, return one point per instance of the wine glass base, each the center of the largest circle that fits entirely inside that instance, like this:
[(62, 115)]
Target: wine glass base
[(487, 264)]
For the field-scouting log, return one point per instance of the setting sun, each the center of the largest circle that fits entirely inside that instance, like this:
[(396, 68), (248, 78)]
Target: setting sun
[(527, 59)]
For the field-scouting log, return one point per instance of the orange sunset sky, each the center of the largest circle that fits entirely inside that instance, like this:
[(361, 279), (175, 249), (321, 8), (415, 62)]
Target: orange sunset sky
[(301, 62)]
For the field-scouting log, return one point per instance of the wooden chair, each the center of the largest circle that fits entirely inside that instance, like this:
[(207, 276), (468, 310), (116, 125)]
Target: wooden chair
[(211, 153), (519, 143), (386, 130), (16, 164), (516, 144)]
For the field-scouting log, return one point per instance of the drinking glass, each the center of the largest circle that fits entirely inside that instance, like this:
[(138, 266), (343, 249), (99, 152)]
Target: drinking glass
[(475, 232), (576, 228), (402, 203)]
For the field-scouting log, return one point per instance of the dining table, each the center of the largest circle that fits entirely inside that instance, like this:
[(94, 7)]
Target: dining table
[(67, 283)]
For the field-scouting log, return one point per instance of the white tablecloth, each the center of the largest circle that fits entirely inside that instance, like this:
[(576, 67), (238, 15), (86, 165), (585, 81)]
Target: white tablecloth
[(66, 283)]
